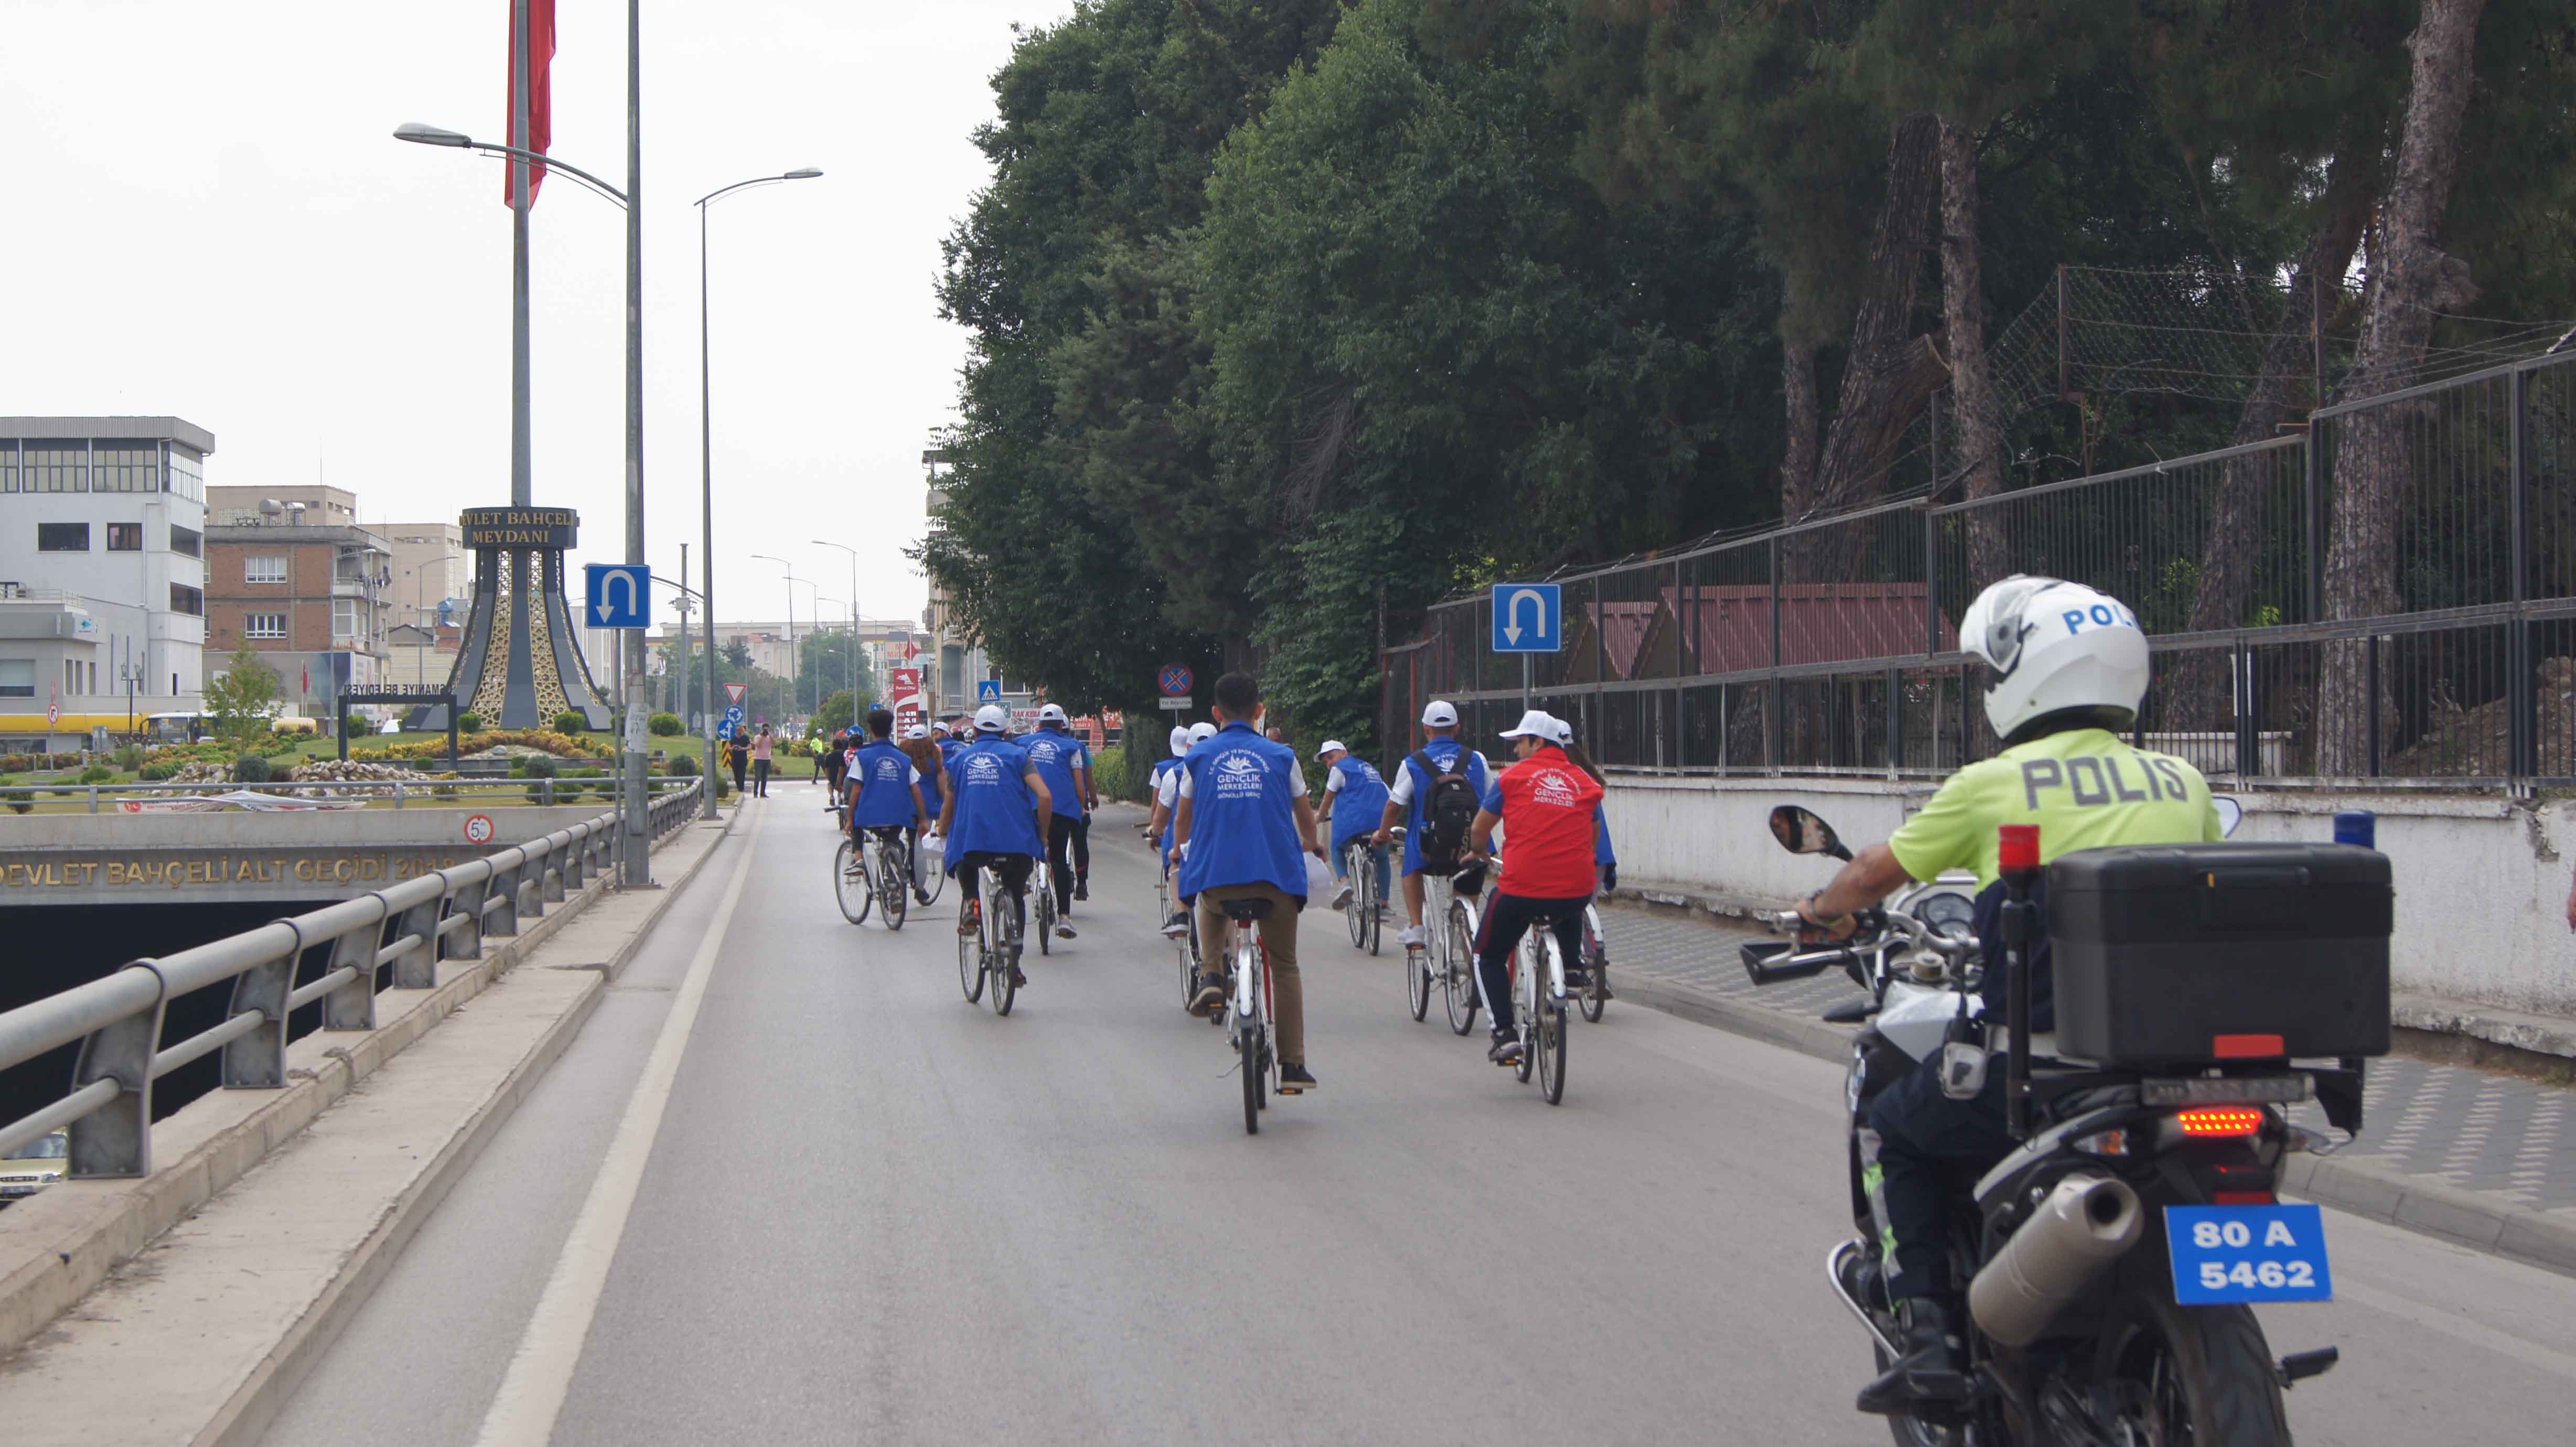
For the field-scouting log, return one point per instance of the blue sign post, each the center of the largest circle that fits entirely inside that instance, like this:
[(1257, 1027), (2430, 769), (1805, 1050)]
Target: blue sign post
[(619, 595), (1529, 617)]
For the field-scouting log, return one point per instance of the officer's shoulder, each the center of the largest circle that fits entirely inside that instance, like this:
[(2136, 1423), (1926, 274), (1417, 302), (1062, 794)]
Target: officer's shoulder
[(2164, 760), (1983, 774)]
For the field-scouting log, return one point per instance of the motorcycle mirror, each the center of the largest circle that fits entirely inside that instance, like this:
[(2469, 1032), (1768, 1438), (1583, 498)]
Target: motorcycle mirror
[(1801, 832), (2230, 814)]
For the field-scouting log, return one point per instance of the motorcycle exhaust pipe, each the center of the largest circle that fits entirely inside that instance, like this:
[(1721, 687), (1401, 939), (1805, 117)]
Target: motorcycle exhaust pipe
[(2083, 1226)]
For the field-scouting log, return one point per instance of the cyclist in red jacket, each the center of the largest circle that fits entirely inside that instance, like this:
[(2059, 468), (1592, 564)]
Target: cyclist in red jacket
[(1547, 805)]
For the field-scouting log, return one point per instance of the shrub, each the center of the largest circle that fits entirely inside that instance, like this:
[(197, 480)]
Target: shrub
[(571, 722), (16, 763), (253, 769), (155, 773), (129, 757), (469, 723), (665, 725), (97, 774), (682, 766), (21, 803), (535, 768), (445, 790), (724, 786)]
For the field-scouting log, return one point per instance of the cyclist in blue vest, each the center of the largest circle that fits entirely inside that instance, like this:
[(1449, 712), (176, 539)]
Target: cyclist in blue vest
[(995, 818), (1065, 763), (1245, 817), (885, 788), (1167, 809), (1355, 793), (1404, 806)]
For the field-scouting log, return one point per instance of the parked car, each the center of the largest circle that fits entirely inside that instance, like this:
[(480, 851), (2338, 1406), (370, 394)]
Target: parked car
[(34, 1166)]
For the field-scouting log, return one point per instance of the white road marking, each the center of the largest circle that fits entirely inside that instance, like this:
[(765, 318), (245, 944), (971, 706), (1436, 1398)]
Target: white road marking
[(532, 1393)]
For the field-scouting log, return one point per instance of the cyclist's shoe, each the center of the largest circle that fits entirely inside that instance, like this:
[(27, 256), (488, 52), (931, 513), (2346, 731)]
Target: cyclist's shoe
[(921, 895), (1214, 990), (1930, 1370), (1177, 926), (1577, 977), (1413, 938), (1293, 1079), (1064, 931), (1018, 981), (1082, 886), (1341, 898), (1506, 1049), (970, 920)]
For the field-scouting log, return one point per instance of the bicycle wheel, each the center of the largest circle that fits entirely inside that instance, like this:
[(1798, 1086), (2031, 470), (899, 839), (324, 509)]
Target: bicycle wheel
[(895, 902), (970, 966), (1596, 960), (1356, 912), (1417, 983), (1373, 909), (1458, 970), (1007, 938), (1527, 992), (1044, 883), (937, 884), (851, 893), (1547, 1027)]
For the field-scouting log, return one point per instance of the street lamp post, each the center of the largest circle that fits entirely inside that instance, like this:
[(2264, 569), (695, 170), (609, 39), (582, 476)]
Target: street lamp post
[(854, 622), (707, 468)]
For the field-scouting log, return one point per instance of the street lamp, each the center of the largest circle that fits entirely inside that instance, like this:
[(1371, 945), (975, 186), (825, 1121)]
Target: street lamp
[(854, 622), (707, 465)]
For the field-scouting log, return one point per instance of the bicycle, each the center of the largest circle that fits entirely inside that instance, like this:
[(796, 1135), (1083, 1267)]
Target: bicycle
[(993, 949), (1595, 994), (1042, 882), (1366, 912), (852, 886), (871, 867), (1250, 1010), (1538, 987), (1448, 959), (1185, 945)]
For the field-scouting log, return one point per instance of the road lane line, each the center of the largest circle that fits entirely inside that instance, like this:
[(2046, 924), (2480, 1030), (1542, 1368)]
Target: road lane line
[(540, 1376)]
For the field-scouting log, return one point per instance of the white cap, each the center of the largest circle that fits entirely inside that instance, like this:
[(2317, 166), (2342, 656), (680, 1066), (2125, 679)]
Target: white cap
[(917, 731), (1052, 714), (1564, 732), (1439, 714), (1538, 724), (1180, 740), (992, 718), (1202, 732), (1331, 746)]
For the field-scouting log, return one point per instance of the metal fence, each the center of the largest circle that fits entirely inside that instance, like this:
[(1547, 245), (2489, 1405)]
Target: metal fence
[(399, 793), (1830, 646), (392, 939)]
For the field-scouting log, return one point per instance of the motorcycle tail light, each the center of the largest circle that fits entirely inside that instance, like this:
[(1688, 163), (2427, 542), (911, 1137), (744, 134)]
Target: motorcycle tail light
[(2104, 1143), (2220, 1121)]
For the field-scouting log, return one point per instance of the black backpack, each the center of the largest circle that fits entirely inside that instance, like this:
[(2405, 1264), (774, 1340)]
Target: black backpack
[(1448, 810)]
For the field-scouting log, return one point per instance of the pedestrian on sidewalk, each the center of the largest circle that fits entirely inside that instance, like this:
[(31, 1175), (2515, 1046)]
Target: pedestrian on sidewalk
[(738, 758), (762, 746)]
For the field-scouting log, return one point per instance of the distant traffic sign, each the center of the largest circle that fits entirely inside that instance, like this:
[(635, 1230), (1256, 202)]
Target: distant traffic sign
[(1528, 618), (1175, 680), (989, 691), (1176, 705), (734, 693), (620, 595), (478, 829)]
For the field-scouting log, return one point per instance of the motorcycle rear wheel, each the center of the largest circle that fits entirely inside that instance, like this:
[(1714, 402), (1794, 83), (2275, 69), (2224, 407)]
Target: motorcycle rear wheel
[(2199, 1374)]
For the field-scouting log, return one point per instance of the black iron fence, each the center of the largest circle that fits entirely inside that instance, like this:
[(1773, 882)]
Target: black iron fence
[(2430, 639)]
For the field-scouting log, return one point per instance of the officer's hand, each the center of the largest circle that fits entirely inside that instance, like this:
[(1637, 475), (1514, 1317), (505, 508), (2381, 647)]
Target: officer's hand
[(1823, 931)]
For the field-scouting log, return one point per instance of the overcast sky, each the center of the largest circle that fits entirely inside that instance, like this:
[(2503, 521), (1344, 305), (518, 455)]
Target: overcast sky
[(209, 219)]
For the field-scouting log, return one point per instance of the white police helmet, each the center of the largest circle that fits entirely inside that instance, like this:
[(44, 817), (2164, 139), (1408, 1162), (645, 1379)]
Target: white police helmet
[(2050, 647)]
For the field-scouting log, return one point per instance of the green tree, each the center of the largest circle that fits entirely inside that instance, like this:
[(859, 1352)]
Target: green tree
[(241, 697)]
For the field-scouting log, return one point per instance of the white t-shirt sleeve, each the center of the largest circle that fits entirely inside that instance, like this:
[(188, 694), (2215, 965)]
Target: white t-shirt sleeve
[(1402, 793), (1170, 792), (1185, 789), (1332, 783), (911, 772), (1297, 778)]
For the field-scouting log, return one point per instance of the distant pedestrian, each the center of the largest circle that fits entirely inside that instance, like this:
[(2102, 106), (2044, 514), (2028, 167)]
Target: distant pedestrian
[(738, 757), (762, 747)]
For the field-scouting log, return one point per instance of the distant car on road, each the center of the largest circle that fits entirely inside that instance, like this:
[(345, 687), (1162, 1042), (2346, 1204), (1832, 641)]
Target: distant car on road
[(34, 1166)]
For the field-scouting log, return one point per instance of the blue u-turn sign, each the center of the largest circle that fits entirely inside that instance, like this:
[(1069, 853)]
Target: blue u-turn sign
[(1529, 617), (620, 595)]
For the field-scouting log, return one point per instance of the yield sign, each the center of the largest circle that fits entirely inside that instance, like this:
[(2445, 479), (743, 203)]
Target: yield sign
[(734, 693)]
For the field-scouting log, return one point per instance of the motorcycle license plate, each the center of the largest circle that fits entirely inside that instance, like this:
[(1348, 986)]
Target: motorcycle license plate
[(2236, 1255)]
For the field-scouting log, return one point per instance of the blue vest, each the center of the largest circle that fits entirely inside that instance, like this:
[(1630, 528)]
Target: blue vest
[(996, 813), (1243, 815), (1162, 767), (932, 781), (1361, 801), (1056, 755), (885, 800)]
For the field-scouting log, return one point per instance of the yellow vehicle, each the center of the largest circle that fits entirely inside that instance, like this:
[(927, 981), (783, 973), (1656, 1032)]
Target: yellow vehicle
[(32, 1167)]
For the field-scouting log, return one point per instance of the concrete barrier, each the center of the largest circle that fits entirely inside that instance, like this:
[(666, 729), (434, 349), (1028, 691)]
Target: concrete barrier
[(2481, 880)]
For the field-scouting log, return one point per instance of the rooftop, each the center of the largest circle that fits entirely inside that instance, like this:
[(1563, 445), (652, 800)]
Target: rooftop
[(171, 429)]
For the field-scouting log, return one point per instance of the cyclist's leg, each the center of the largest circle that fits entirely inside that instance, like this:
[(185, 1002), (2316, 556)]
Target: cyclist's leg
[(969, 869), (1569, 934), (1082, 856), (1215, 969), (1059, 834), (1287, 989), (1506, 919), (1385, 864)]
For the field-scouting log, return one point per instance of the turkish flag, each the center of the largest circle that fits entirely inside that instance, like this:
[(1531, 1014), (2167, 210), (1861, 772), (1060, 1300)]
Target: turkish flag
[(541, 117), (306, 686)]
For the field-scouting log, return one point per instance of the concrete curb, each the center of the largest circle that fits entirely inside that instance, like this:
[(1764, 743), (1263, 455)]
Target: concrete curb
[(2448, 1213), (254, 1405)]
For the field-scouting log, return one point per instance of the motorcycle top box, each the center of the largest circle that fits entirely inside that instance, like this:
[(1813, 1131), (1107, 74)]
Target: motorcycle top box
[(2203, 953)]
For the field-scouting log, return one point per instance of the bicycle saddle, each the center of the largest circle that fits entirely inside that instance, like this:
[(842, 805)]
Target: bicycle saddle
[(1244, 911)]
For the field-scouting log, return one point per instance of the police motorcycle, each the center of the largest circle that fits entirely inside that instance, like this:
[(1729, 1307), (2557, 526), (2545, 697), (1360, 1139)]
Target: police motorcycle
[(2112, 1258)]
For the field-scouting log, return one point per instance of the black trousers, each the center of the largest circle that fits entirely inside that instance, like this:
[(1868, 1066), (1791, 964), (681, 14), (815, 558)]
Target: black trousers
[(1507, 917), (1915, 1139), (1062, 831), (1013, 868)]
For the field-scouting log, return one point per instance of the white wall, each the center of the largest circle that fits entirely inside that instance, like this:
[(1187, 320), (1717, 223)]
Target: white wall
[(2481, 881)]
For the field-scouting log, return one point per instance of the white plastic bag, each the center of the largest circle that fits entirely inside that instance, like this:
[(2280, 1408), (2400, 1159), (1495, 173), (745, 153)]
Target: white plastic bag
[(1319, 880)]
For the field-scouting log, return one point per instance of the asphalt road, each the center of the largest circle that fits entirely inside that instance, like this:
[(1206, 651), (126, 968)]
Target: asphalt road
[(872, 1212)]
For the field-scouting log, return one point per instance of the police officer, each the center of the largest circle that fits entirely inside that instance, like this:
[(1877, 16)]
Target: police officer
[(2063, 670)]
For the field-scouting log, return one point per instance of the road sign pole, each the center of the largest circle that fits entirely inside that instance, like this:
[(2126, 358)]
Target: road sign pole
[(1525, 683)]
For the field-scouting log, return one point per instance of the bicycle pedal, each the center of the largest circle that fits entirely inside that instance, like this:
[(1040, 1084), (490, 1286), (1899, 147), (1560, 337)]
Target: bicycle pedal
[(1289, 1090)]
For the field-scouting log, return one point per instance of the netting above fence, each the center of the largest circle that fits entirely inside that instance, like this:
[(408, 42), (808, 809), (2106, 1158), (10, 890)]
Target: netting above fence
[(1832, 646)]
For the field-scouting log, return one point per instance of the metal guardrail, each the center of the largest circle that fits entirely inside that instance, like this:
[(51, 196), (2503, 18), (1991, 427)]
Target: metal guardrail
[(432, 793), (411, 927)]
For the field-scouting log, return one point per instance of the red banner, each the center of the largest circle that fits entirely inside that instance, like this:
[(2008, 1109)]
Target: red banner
[(910, 707), (541, 113)]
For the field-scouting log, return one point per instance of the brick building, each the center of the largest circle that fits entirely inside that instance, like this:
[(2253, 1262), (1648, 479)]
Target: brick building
[(313, 599)]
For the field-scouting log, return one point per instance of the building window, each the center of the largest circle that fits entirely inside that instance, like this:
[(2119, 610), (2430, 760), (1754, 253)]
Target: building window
[(184, 599), (187, 542), (62, 537), (264, 567), (17, 678), (264, 625), (54, 467), (125, 466), (186, 478), (349, 620), (8, 467), (125, 537)]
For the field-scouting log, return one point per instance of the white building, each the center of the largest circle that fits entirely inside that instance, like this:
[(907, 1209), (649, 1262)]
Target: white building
[(102, 574), (430, 567)]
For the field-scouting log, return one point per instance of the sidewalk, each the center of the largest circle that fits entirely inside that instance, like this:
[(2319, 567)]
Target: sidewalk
[(2486, 1160)]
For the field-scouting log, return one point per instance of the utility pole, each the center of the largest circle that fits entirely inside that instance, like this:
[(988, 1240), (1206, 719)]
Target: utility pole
[(636, 871)]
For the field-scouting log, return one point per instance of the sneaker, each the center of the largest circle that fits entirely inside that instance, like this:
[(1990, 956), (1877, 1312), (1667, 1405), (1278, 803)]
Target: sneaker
[(1341, 898), (921, 896), (1082, 886), (1214, 990), (1293, 1079), (1577, 977), (1506, 1048), (970, 919), (1018, 980), (1177, 926), (1064, 931), (1412, 939)]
